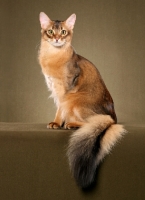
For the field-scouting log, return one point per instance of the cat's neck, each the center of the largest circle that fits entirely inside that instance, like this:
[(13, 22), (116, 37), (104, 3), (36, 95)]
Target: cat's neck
[(53, 59)]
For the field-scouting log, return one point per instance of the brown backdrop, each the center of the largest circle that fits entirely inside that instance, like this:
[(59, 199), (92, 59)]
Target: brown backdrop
[(111, 34)]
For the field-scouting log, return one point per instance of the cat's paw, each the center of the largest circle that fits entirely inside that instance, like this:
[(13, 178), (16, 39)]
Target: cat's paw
[(71, 126), (53, 125)]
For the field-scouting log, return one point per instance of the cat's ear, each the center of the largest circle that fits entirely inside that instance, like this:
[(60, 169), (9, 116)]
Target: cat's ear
[(70, 22), (44, 20)]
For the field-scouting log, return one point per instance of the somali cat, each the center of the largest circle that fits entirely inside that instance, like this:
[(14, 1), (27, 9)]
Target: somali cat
[(81, 98)]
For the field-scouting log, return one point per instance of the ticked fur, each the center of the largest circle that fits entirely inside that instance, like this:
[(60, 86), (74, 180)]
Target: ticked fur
[(81, 97)]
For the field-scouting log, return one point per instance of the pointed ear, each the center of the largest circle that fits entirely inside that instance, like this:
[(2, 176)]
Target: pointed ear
[(70, 22), (44, 20)]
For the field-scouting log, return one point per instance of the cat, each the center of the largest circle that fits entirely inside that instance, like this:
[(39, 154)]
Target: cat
[(82, 99)]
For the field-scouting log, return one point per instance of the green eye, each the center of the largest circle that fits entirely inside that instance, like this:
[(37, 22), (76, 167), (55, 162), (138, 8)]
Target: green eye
[(50, 32), (63, 32)]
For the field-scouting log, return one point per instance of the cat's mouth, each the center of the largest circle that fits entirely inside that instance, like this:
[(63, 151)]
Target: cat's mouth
[(57, 43)]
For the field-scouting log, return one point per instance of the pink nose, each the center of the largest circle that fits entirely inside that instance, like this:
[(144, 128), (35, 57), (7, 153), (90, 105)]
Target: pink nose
[(57, 39)]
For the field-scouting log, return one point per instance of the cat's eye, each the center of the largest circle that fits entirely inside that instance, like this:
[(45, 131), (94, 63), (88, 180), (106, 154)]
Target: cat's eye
[(63, 32), (50, 32)]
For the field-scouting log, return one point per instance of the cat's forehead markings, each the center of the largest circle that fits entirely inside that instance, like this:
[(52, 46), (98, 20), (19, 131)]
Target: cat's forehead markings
[(56, 24)]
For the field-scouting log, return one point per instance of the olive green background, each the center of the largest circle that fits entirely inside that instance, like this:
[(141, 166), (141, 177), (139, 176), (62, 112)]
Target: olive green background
[(110, 33)]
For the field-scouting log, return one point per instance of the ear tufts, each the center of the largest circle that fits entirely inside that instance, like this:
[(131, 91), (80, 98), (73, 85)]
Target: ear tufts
[(44, 20), (70, 22)]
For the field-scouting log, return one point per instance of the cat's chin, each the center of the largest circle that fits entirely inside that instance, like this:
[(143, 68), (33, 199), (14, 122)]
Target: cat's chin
[(57, 44)]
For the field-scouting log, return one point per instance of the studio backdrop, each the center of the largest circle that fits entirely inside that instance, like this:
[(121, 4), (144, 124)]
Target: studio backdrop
[(111, 34)]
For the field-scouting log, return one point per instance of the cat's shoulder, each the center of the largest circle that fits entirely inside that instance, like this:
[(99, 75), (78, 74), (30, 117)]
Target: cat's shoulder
[(84, 62)]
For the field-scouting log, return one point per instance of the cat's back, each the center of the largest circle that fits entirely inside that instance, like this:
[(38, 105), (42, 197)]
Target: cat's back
[(89, 71)]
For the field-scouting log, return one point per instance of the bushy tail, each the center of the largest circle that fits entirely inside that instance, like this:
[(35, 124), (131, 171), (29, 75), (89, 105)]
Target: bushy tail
[(90, 144)]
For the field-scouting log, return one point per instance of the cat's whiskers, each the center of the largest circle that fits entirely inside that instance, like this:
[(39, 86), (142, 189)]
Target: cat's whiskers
[(74, 49), (38, 45), (70, 45)]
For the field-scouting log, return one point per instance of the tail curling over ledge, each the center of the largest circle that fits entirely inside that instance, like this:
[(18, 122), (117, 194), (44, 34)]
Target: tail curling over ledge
[(90, 144)]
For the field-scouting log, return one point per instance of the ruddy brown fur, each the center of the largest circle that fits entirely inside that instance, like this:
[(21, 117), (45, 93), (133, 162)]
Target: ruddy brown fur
[(81, 97)]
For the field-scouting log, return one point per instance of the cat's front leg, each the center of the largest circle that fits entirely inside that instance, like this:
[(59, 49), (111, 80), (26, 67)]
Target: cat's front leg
[(57, 123)]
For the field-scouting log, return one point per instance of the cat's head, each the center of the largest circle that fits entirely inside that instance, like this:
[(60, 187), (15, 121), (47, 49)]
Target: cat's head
[(56, 32)]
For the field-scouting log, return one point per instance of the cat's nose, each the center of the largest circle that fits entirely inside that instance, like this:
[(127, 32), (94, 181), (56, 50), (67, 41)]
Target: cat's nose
[(57, 38)]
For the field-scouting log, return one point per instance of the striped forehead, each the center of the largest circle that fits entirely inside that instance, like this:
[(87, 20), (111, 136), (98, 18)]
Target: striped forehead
[(57, 24)]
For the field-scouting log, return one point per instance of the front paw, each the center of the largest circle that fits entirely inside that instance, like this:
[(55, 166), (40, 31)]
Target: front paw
[(53, 125), (71, 126)]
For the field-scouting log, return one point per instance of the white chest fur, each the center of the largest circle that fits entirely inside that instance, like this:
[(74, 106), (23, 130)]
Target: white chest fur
[(56, 87)]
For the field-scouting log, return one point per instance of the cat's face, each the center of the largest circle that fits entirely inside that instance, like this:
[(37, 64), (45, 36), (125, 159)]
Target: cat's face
[(57, 33)]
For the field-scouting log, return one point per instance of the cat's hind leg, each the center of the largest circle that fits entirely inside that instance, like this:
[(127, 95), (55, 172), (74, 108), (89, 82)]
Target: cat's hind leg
[(73, 125), (76, 117)]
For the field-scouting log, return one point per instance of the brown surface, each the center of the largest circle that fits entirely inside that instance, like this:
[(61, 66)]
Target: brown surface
[(33, 165)]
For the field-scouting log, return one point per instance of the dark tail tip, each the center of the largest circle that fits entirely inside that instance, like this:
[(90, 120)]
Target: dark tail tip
[(84, 171), (83, 162)]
